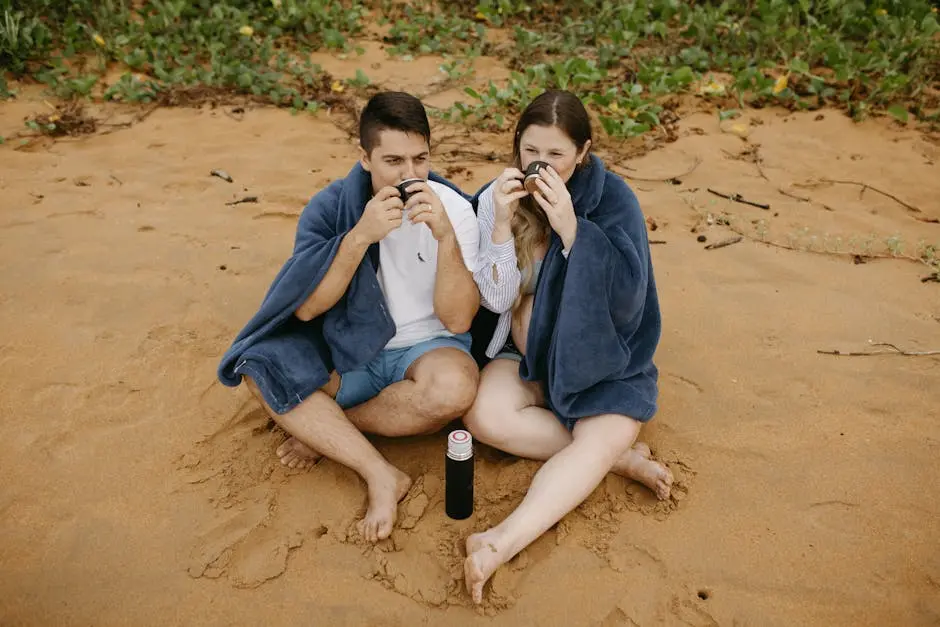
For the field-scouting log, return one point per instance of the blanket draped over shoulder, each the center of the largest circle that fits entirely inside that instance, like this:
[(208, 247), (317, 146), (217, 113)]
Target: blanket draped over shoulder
[(596, 320), (289, 359)]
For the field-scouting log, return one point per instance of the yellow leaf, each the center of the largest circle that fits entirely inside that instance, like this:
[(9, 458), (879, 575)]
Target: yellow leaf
[(337, 86), (98, 39), (614, 107), (781, 84), (247, 31), (712, 87), (881, 12)]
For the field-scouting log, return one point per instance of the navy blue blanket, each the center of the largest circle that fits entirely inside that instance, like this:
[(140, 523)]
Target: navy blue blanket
[(290, 359), (596, 320)]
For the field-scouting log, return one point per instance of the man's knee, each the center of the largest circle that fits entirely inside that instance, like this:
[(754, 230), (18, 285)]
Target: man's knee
[(448, 389), (328, 391)]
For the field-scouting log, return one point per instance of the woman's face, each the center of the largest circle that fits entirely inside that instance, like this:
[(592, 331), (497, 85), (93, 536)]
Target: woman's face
[(553, 146)]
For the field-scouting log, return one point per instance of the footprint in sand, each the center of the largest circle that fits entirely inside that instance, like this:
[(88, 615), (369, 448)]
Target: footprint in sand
[(213, 550), (691, 612), (415, 504), (261, 556)]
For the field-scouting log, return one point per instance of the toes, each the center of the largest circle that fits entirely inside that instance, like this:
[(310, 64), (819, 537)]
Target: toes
[(367, 529), (383, 529), (664, 484), (284, 448), (478, 593)]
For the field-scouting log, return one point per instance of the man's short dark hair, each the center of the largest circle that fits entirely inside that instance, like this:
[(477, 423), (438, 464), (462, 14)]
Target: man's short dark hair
[(392, 110)]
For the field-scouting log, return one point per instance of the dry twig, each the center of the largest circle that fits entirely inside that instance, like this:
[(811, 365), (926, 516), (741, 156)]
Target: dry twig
[(738, 198), (865, 186), (725, 242), (894, 351), (663, 179)]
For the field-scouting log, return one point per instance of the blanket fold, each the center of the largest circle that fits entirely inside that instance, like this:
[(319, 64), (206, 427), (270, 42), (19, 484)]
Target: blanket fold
[(290, 359), (596, 320)]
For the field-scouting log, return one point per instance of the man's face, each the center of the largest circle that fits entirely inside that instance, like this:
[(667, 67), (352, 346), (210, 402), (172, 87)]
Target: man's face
[(397, 156)]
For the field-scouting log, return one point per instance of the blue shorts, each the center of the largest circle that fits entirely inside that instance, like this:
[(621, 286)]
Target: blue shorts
[(389, 367)]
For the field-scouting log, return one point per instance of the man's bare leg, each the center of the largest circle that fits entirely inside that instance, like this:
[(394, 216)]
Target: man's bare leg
[(320, 424), (292, 452), (508, 414), (438, 387), (563, 482)]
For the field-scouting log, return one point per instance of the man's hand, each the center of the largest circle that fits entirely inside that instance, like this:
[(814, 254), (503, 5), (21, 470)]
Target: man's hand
[(425, 207), (382, 215)]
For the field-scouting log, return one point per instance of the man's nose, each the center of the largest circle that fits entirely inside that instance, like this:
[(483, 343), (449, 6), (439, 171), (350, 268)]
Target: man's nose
[(410, 170)]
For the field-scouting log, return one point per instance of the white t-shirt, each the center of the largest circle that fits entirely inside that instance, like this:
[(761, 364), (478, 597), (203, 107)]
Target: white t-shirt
[(408, 268)]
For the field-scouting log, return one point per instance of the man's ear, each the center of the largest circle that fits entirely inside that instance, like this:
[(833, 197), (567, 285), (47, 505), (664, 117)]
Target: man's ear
[(364, 159)]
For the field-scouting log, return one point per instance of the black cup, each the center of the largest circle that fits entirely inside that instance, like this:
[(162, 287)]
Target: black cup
[(401, 187), (532, 174)]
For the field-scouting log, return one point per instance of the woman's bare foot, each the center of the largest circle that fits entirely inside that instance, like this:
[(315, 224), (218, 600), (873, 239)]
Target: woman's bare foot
[(295, 454), (637, 465), (385, 492), (483, 558)]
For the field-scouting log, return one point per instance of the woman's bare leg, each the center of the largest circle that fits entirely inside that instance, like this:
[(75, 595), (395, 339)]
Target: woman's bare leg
[(563, 482), (509, 414)]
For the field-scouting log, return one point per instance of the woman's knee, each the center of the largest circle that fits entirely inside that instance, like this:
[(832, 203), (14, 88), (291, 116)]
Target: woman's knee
[(482, 420), (613, 432), (500, 395)]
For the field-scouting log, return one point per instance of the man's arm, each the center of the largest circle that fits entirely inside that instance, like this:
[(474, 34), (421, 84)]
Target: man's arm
[(336, 280), (381, 215), (456, 296)]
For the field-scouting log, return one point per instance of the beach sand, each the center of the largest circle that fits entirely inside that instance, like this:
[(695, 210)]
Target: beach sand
[(139, 490)]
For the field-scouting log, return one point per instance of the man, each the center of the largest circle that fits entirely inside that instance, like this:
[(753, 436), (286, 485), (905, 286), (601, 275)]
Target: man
[(366, 328)]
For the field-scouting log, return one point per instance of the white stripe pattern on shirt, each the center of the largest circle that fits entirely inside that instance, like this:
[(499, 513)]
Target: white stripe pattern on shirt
[(497, 275)]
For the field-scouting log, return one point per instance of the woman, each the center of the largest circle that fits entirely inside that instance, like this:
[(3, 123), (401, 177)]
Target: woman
[(571, 379)]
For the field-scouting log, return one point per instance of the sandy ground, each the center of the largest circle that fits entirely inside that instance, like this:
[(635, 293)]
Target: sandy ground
[(138, 490)]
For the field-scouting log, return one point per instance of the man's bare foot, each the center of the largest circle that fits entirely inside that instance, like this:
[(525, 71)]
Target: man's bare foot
[(296, 454), (637, 465), (385, 492), (483, 558)]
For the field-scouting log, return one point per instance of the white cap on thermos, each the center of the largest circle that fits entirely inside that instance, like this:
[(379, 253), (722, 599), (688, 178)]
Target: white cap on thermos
[(459, 445)]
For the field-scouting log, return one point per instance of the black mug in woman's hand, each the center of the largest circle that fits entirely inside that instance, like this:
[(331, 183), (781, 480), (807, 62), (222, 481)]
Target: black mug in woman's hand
[(532, 174)]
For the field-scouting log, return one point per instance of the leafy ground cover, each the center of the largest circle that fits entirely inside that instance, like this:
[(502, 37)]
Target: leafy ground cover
[(626, 59)]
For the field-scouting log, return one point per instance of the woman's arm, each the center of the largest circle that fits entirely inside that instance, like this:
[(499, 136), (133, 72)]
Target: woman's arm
[(498, 275)]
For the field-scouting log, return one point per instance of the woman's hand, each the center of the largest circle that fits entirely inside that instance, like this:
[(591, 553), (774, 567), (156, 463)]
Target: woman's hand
[(507, 190), (554, 198)]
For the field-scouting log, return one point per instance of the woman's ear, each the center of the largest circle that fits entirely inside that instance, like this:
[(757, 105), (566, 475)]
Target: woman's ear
[(583, 157)]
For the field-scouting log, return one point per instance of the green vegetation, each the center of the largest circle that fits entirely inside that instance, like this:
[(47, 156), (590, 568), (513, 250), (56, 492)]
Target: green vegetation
[(623, 57)]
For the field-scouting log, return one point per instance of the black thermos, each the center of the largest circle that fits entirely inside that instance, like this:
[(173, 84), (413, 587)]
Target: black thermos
[(458, 472)]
